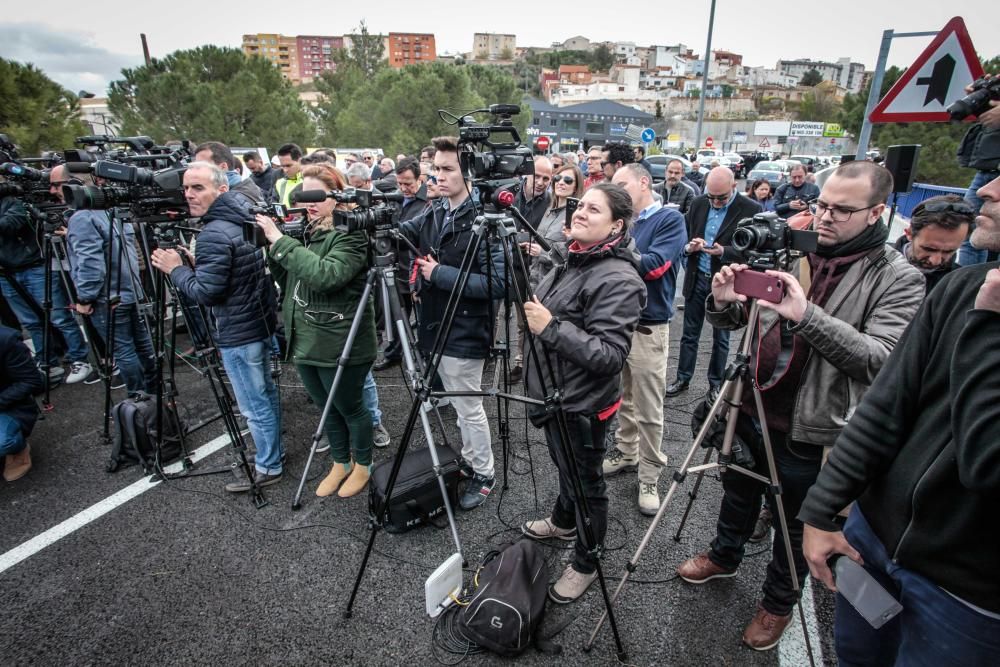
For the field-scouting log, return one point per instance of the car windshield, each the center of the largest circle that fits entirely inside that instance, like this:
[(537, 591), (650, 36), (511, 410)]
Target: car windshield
[(768, 166)]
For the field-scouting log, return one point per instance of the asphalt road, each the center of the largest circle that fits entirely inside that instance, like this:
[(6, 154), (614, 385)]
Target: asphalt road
[(184, 573)]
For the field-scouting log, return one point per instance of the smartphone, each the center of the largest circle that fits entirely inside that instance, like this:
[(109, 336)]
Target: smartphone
[(571, 204), (759, 285), (865, 594)]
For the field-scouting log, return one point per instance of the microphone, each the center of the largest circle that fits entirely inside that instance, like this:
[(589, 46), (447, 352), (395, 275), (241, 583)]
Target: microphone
[(309, 196), (505, 109), (79, 167)]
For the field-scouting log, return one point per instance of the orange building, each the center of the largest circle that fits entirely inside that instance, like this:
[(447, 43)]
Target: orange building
[(407, 48)]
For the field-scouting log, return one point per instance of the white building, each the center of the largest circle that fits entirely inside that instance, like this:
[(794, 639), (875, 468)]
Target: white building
[(763, 76), (846, 74), (493, 46)]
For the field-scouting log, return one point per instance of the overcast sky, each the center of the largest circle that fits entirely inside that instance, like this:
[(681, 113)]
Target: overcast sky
[(85, 45)]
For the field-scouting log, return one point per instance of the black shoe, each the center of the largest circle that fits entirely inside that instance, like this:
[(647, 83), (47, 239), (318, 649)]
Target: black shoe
[(676, 387), (713, 394), (386, 362), (516, 374), (243, 485), (763, 526), (476, 491)]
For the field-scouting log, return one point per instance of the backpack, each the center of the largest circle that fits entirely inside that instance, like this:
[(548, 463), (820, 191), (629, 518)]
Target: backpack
[(135, 433), (509, 602)]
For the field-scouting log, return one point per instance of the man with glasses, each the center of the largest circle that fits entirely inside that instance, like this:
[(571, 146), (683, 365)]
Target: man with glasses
[(595, 173), (369, 159), (711, 220), (616, 155), (818, 350), (937, 229)]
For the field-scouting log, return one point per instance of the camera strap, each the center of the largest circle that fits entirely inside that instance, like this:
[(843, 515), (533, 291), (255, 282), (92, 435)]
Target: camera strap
[(783, 360)]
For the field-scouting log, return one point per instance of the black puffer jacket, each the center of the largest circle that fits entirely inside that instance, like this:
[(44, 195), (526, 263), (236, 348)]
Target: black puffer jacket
[(980, 148), (18, 241), (445, 237), (229, 276), (595, 299), (681, 194), (19, 380)]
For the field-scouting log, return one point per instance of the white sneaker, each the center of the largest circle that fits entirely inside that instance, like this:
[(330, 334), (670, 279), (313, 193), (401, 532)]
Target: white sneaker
[(56, 373), (324, 445), (381, 438), (649, 499), (78, 372)]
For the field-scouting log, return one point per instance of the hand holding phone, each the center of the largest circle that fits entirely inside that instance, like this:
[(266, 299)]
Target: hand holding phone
[(757, 285), (571, 205), (865, 594)]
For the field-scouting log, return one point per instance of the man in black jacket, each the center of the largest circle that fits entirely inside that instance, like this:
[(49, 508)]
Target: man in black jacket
[(794, 196), (442, 234), (262, 173), (675, 190), (533, 199), (219, 154), (711, 221), (19, 381), (921, 456), (228, 276)]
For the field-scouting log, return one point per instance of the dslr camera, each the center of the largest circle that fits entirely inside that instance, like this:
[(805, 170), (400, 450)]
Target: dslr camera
[(492, 155), (768, 242), (295, 227), (978, 101)]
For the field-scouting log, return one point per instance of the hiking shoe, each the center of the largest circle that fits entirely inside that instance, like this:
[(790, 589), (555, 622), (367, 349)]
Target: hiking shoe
[(516, 374), (324, 445), (699, 569), (615, 462), (763, 526), (571, 585), (765, 630), (381, 438), (477, 490), (542, 529), (78, 372), (355, 482), (649, 499), (17, 465), (332, 482), (262, 479)]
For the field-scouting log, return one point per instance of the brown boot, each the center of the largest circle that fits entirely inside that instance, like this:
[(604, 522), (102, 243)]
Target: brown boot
[(765, 630), (17, 465), (338, 473), (356, 483)]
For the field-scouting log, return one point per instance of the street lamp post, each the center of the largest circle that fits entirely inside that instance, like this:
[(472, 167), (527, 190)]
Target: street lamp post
[(704, 78)]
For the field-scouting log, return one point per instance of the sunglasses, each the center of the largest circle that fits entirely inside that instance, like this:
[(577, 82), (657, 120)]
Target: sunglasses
[(952, 207), (718, 197), (568, 180), (432, 179)]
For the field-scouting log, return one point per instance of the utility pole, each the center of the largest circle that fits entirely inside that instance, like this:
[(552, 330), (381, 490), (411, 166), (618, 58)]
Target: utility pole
[(145, 48), (704, 78)]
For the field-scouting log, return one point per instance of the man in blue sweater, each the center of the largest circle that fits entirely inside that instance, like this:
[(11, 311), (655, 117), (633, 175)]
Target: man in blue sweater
[(660, 234)]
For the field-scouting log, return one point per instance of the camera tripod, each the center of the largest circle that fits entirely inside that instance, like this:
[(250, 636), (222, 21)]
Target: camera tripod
[(730, 398), (491, 227), (381, 278)]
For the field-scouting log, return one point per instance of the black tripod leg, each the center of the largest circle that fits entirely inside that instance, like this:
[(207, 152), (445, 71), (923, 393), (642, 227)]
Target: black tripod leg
[(692, 495), (341, 363)]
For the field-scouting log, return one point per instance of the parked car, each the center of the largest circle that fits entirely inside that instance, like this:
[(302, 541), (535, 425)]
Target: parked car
[(659, 165), (810, 161), (775, 173), (706, 155), (736, 163)]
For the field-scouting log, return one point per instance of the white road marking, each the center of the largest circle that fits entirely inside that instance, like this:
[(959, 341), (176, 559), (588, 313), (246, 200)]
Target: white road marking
[(792, 649), (52, 535)]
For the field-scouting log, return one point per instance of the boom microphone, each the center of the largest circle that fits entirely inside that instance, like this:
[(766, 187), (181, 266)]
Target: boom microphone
[(309, 196)]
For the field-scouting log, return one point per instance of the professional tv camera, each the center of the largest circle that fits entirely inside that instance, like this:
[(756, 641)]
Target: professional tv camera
[(294, 227), (495, 166), (978, 101), (769, 243), (151, 196)]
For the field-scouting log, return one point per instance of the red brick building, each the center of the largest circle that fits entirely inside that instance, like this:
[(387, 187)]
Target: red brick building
[(407, 48)]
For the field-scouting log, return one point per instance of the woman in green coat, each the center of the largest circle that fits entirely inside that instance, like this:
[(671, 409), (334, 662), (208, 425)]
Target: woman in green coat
[(321, 281)]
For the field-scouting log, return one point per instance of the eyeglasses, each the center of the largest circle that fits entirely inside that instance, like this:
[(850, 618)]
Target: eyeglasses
[(837, 213), (604, 164), (350, 162), (568, 180), (947, 206), (724, 197), (368, 159)]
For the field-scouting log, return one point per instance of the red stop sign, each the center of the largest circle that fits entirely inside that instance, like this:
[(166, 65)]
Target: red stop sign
[(709, 142), (543, 143)]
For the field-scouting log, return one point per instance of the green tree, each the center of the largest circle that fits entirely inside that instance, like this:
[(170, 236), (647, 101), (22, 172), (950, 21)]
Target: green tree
[(602, 58), (811, 78), (820, 104), (367, 50), (211, 93), (507, 54), (659, 110), (36, 112), (728, 91)]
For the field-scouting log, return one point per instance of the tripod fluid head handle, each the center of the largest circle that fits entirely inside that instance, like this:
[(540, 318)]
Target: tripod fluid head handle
[(532, 232)]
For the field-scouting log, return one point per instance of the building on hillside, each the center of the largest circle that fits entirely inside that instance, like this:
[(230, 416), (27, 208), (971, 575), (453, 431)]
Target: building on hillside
[(408, 48), (846, 74), (578, 43), (574, 74), (580, 126), (763, 76), (279, 49), (668, 56), (315, 53), (493, 46)]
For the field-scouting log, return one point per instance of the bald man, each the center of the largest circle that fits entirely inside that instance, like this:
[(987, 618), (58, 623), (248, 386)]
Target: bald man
[(711, 220), (533, 200)]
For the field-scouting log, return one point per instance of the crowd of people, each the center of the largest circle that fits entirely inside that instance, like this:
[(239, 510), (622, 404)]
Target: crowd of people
[(877, 368)]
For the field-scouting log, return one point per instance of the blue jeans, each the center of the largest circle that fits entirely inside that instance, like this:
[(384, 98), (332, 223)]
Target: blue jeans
[(694, 320), (370, 397), (133, 348), (11, 435), (33, 281), (967, 255), (934, 628), (249, 370)]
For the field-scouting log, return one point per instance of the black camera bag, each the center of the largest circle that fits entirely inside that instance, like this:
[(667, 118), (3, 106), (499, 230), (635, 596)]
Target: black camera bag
[(135, 433), (508, 605), (416, 498)]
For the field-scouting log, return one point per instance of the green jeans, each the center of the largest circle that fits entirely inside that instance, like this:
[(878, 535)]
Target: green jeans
[(349, 424)]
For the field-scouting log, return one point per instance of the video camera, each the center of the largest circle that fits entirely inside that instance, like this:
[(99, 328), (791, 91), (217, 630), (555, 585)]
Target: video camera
[(978, 101), (151, 196), (769, 243), (373, 214), (296, 228), (495, 167)]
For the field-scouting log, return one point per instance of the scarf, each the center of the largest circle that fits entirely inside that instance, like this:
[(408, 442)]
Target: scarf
[(872, 237)]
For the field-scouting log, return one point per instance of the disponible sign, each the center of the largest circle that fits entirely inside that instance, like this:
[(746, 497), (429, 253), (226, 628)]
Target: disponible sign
[(806, 129)]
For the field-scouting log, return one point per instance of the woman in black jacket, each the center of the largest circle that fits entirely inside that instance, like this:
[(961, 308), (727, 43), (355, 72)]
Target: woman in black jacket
[(582, 318)]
